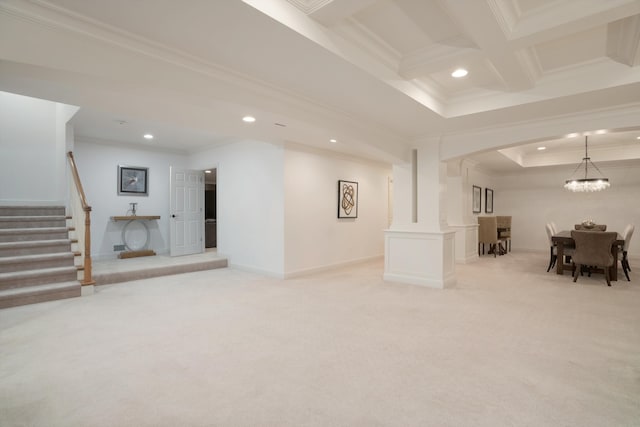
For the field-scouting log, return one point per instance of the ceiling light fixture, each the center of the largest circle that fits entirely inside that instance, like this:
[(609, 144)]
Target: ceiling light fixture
[(572, 135), (542, 148), (586, 184), (147, 136), (248, 119), (207, 171), (333, 140), (460, 72)]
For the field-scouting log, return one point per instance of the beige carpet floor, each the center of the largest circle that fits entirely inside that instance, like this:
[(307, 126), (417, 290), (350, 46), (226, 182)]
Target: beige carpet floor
[(510, 345)]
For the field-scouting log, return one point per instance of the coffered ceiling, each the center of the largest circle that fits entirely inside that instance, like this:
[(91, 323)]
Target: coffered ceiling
[(373, 74)]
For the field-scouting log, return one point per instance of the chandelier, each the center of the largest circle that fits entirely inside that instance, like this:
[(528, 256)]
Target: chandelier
[(586, 184)]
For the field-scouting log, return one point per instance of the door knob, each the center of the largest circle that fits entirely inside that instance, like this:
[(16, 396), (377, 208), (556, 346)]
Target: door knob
[(173, 216)]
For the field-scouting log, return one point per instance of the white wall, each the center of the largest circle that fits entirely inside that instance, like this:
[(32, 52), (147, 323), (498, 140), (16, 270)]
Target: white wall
[(98, 169), (537, 197), (460, 195), (32, 138), (250, 205), (314, 237)]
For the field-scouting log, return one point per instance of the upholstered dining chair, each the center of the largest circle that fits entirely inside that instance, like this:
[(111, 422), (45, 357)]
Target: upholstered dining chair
[(626, 235), (504, 223), (553, 249), (593, 249), (488, 234)]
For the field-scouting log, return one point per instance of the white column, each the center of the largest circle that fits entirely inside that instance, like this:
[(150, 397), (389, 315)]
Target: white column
[(460, 215), (420, 249)]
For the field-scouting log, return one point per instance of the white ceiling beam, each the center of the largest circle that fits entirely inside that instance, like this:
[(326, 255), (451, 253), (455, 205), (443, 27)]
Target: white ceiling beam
[(623, 41), (334, 11), (482, 26), (559, 19)]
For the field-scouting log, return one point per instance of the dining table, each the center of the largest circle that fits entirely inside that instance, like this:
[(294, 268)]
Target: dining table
[(563, 239)]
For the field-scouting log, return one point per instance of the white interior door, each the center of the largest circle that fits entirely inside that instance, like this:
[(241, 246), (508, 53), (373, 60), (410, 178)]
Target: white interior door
[(186, 212)]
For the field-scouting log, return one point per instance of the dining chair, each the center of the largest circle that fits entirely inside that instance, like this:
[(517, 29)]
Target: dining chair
[(504, 225), (626, 235), (593, 249), (553, 250), (488, 234)]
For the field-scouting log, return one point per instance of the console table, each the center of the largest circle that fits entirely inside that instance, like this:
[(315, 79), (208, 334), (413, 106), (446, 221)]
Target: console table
[(134, 227)]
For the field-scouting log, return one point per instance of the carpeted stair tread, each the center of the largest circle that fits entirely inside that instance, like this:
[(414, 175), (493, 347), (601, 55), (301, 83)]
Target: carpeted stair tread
[(39, 293), (38, 261), (34, 258), (33, 230), (35, 273), (25, 278), (16, 218), (34, 243)]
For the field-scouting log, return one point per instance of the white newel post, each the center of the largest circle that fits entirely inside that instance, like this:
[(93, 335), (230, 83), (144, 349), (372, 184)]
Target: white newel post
[(419, 247)]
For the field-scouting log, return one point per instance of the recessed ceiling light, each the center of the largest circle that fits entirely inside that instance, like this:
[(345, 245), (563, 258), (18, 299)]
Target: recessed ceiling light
[(248, 119), (637, 137), (460, 72), (572, 135), (333, 140), (207, 171), (542, 148), (147, 136), (601, 132)]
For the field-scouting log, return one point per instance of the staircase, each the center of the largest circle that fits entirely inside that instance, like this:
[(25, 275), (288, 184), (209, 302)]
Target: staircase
[(36, 259)]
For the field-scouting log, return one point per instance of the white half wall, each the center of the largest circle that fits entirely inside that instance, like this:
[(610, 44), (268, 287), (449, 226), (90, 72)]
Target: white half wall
[(315, 238), (98, 168), (250, 205)]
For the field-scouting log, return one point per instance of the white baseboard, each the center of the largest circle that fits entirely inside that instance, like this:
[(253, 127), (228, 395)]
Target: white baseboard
[(327, 267)]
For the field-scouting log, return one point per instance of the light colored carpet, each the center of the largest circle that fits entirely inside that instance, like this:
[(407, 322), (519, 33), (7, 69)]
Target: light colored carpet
[(511, 345)]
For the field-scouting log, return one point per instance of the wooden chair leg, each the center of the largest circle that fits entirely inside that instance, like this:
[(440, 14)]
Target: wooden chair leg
[(551, 260), (576, 268), (606, 275), (626, 260), (626, 269)]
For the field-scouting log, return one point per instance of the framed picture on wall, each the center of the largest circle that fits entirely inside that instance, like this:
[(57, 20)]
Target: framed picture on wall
[(477, 199), (347, 199), (488, 200), (133, 181)]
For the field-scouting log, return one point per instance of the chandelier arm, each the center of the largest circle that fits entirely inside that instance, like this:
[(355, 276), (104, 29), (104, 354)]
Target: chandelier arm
[(575, 170), (594, 165)]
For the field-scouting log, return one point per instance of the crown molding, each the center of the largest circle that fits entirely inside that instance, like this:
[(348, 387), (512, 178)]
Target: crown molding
[(455, 144), (623, 41), (309, 6)]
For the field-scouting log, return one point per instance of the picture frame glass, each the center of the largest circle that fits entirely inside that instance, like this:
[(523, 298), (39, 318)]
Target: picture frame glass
[(133, 181), (347, 199), (488, 200), (477, 199)]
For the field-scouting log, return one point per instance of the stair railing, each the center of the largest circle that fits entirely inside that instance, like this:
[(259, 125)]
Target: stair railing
[(80, 208)]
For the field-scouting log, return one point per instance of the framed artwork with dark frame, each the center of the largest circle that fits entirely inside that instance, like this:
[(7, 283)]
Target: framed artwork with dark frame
[(488, 200), (477, 199), (133, 181), (347, 199)]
